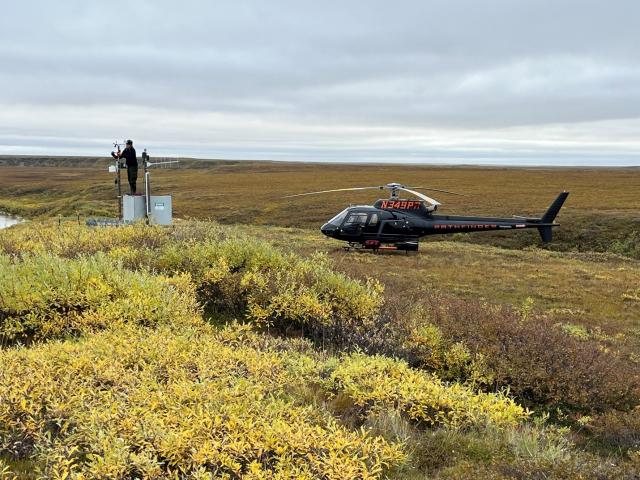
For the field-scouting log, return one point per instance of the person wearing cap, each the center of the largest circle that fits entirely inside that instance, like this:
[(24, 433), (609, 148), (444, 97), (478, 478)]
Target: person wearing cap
[(129, 154)]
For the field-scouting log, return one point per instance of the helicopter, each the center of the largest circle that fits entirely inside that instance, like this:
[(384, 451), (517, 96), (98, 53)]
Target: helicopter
[(398, 224)]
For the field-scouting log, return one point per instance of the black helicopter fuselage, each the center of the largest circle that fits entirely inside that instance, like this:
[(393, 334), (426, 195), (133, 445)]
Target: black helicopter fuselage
[(402, 223)]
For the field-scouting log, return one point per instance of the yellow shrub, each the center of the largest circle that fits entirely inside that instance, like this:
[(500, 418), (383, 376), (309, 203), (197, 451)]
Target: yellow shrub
[(5, 471), (308, 293), (72, 240), (154, 404), (374, 382), (234, 275), (182, 399), (192, 401), (45, 296), (449, 360)]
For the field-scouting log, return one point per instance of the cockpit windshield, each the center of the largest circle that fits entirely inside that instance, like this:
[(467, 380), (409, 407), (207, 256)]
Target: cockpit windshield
[(339, 218)]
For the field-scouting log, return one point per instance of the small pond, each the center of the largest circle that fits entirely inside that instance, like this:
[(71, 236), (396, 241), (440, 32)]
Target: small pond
[(8, 220)]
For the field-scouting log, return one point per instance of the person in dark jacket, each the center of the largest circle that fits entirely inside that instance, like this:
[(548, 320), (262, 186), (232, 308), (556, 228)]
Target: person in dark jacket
[(129, 154)]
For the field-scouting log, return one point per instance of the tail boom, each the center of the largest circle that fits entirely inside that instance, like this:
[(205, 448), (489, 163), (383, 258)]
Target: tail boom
[(443, 224)]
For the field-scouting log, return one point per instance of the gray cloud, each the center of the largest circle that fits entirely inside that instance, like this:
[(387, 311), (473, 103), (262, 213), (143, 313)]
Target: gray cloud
[(355, 80)]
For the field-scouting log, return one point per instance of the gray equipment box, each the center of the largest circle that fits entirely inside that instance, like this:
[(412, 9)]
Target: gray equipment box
[(133, 208), (160, 210)]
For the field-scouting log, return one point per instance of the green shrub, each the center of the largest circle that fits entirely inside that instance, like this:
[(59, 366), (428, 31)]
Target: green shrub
[(628, 246)]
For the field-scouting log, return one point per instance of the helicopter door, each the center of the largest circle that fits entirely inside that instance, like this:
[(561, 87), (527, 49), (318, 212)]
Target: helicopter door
[(373, 222), (354, 224)]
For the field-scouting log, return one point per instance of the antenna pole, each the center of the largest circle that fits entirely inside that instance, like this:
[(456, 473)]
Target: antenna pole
[(117, 172), (147, 186), (119, 188)]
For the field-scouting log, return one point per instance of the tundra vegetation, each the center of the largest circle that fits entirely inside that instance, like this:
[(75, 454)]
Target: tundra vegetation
[(207, 350), (601, 214)]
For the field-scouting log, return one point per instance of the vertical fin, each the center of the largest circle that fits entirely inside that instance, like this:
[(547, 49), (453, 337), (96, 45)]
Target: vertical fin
[(546, 234), (550, 215)]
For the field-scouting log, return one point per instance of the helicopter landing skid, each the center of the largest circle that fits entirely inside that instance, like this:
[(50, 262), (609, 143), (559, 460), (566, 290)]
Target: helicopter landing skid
[(409, 246)]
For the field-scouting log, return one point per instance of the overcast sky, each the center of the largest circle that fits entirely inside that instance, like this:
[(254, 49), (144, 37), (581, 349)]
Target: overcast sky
[(517, 82)]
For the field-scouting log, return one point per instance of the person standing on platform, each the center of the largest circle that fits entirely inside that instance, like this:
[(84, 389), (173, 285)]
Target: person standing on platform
[(129, 154)]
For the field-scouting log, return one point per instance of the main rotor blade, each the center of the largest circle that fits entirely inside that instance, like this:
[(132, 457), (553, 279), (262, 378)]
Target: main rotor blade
[(432, 201), (330, 191), (382, 187), (437, 190)]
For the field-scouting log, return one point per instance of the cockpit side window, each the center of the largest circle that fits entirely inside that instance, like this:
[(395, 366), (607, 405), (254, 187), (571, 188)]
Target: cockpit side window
[(356, 219), (373, 220)]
